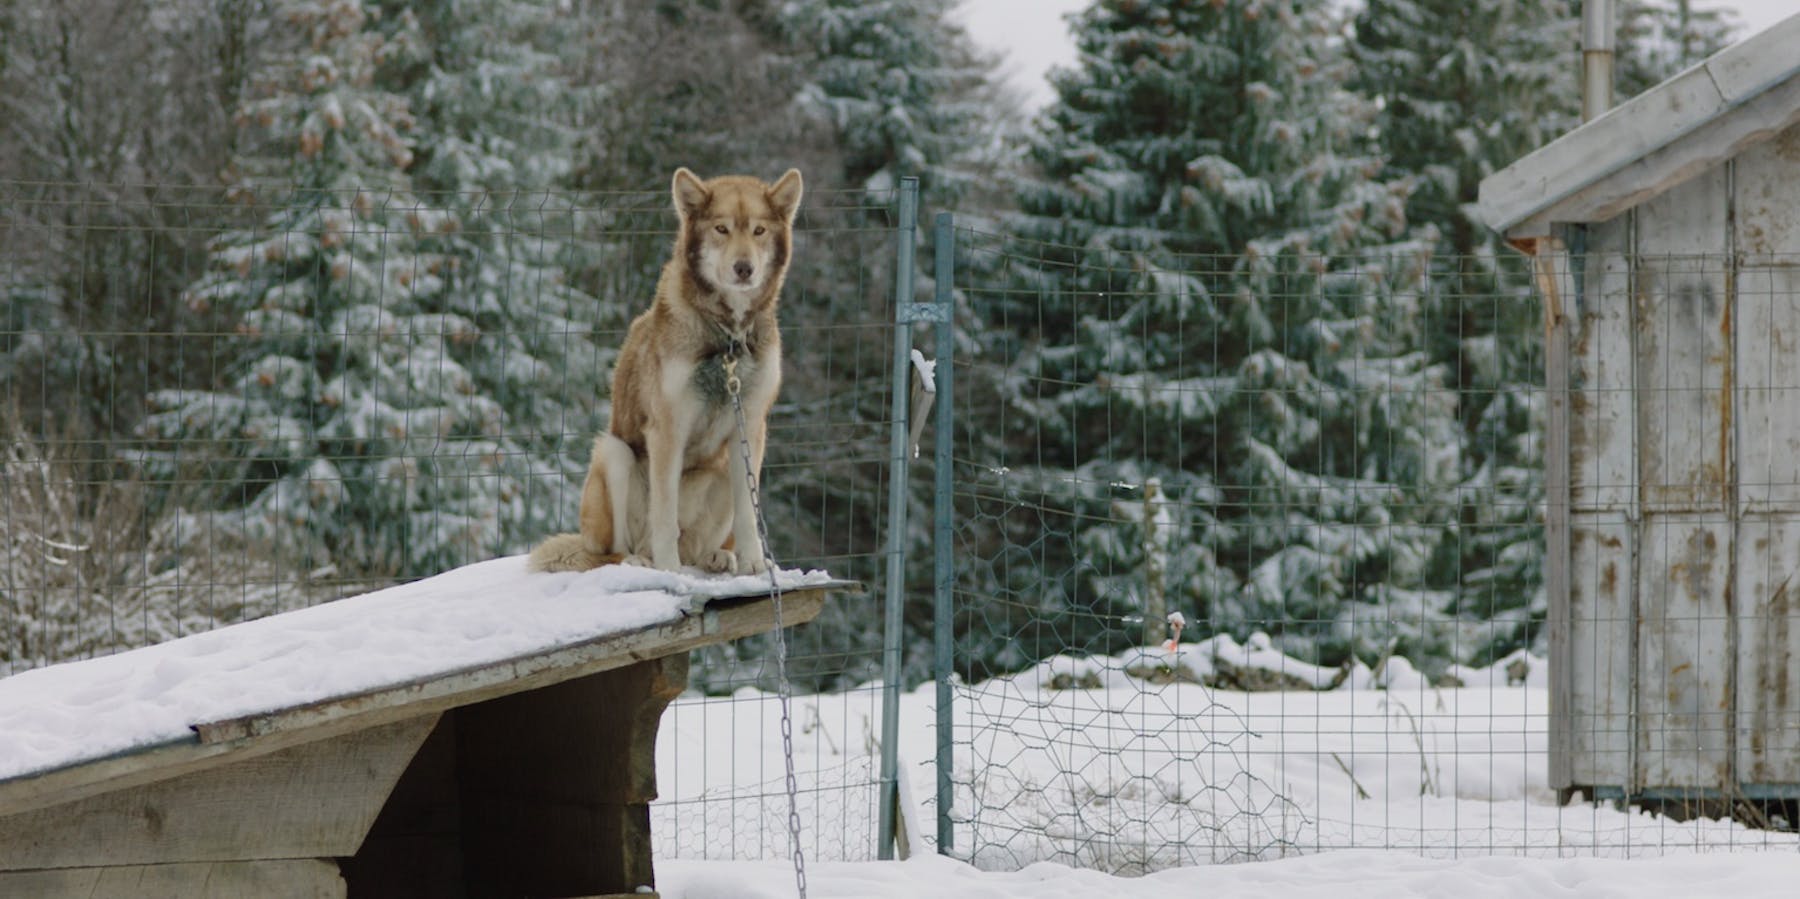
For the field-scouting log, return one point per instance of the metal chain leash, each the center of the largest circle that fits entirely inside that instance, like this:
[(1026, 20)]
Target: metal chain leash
[(734, 389)]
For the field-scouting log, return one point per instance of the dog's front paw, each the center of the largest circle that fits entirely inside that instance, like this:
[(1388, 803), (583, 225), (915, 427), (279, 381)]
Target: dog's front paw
[(639, 561), (753, 566), (717, 561)]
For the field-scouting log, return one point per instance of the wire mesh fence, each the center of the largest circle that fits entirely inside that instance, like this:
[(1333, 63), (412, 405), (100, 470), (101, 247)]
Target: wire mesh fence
[(222, 406), (1236, 558), (1249, 559)]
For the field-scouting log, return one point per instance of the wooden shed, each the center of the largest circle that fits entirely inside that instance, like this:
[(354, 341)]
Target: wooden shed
[(499, 742), (1666, 240)]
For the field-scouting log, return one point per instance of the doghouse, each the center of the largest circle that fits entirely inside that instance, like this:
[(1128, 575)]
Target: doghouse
[(516, 759)]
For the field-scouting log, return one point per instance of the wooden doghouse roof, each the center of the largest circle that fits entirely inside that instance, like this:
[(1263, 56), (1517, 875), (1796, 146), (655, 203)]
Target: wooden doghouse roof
[(80, 729), (1740, 96)]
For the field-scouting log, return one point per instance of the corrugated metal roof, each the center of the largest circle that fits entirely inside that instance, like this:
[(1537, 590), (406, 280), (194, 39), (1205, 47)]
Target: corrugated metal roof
[(1642, 147)]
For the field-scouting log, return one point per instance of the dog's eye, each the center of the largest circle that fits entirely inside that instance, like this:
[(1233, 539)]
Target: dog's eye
[(759, 230), (721, 229)]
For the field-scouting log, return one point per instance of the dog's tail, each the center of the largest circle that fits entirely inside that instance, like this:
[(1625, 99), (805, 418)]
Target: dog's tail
[(568, 552)]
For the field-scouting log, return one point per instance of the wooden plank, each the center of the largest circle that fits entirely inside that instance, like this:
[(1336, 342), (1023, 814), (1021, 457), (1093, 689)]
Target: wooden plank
[(316, 800), (273, 879), (1594, 725), (246, 737), (1768, 431), (1768, 660), (1727, 96), (1683, 319), (1767, 232), (1602, 406), (1625, 134), (1556, 288), (1685, 660), (1768, 630), (1749, 66), (1650, 175), (1768, 200)]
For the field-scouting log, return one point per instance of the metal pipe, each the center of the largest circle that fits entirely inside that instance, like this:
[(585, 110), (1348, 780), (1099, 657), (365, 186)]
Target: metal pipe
[(896, 535), (1598, 30), (943, 632)]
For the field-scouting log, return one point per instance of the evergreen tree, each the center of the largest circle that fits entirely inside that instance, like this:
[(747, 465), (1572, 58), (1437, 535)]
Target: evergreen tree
[(492, 100), (1659, 38), (1224, 304), (1466, 88), (375, 411), (902, 86)]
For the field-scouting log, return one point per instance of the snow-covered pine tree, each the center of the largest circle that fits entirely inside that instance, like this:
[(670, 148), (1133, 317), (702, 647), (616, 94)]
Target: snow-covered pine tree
[(492, 101), (321, 427), (1467, 87), (1658, 38), (902, 90), (1226, 303), (1464, 89), (900, 83)]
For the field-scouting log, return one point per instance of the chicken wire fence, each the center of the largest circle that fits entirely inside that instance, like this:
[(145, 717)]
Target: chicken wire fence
[(1246, 557), (219, 406), (1337, 475)]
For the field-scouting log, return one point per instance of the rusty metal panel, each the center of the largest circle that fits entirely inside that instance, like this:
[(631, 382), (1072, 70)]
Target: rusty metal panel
[(1768, 376), (1767, 222), (1601, 413), (1684, 651), (1768, 660), (1683, 321), (1768, 200), (1598, 720)]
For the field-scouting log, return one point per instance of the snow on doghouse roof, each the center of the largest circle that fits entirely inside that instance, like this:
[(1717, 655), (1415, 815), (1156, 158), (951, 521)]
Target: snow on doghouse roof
[(1738, 97), (492, 620)]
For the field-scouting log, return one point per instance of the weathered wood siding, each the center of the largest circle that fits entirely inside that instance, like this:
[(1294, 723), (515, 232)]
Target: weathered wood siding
[(1767, 232), (292, 878), (1602, 424), (1683, 317), (315, 800), (1683, 442)]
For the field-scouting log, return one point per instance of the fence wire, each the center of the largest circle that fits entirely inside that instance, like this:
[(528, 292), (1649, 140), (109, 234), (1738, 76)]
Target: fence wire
[(1249, 555), (1250, 558), (219, 407)]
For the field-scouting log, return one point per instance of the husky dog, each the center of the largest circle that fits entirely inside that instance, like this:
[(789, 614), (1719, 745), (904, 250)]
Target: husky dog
[(667, 485)]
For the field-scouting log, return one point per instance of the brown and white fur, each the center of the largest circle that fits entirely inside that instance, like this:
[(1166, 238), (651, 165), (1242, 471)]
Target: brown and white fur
[(667, 484)]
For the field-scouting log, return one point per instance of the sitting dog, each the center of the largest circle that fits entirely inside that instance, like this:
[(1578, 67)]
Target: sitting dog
[(668, 484)]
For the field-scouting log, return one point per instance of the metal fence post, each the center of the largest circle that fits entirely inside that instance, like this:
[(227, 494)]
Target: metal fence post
[(944, 575), (904, 315)]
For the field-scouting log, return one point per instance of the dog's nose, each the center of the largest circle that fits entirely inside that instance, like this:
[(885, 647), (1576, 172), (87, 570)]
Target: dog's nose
[(743, 270)]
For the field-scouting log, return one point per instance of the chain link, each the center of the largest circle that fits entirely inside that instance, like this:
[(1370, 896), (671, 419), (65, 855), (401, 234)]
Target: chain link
[(734, 389)]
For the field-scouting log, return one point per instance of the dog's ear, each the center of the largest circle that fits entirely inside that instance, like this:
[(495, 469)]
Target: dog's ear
[(785, 195), (690, 193)]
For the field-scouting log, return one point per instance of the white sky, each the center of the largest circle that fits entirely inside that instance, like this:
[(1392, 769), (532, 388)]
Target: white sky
[(1034, 36)]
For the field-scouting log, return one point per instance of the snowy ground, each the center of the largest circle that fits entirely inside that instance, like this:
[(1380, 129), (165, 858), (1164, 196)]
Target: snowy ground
[(1336, 875), (1412, 790), (1064, 772)]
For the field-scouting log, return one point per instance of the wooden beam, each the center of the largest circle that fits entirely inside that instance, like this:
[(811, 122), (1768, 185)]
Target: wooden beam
[(725, 619), (277, 879), (1720, 95), (311, 801), (1551, 267), (1659, 171)]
